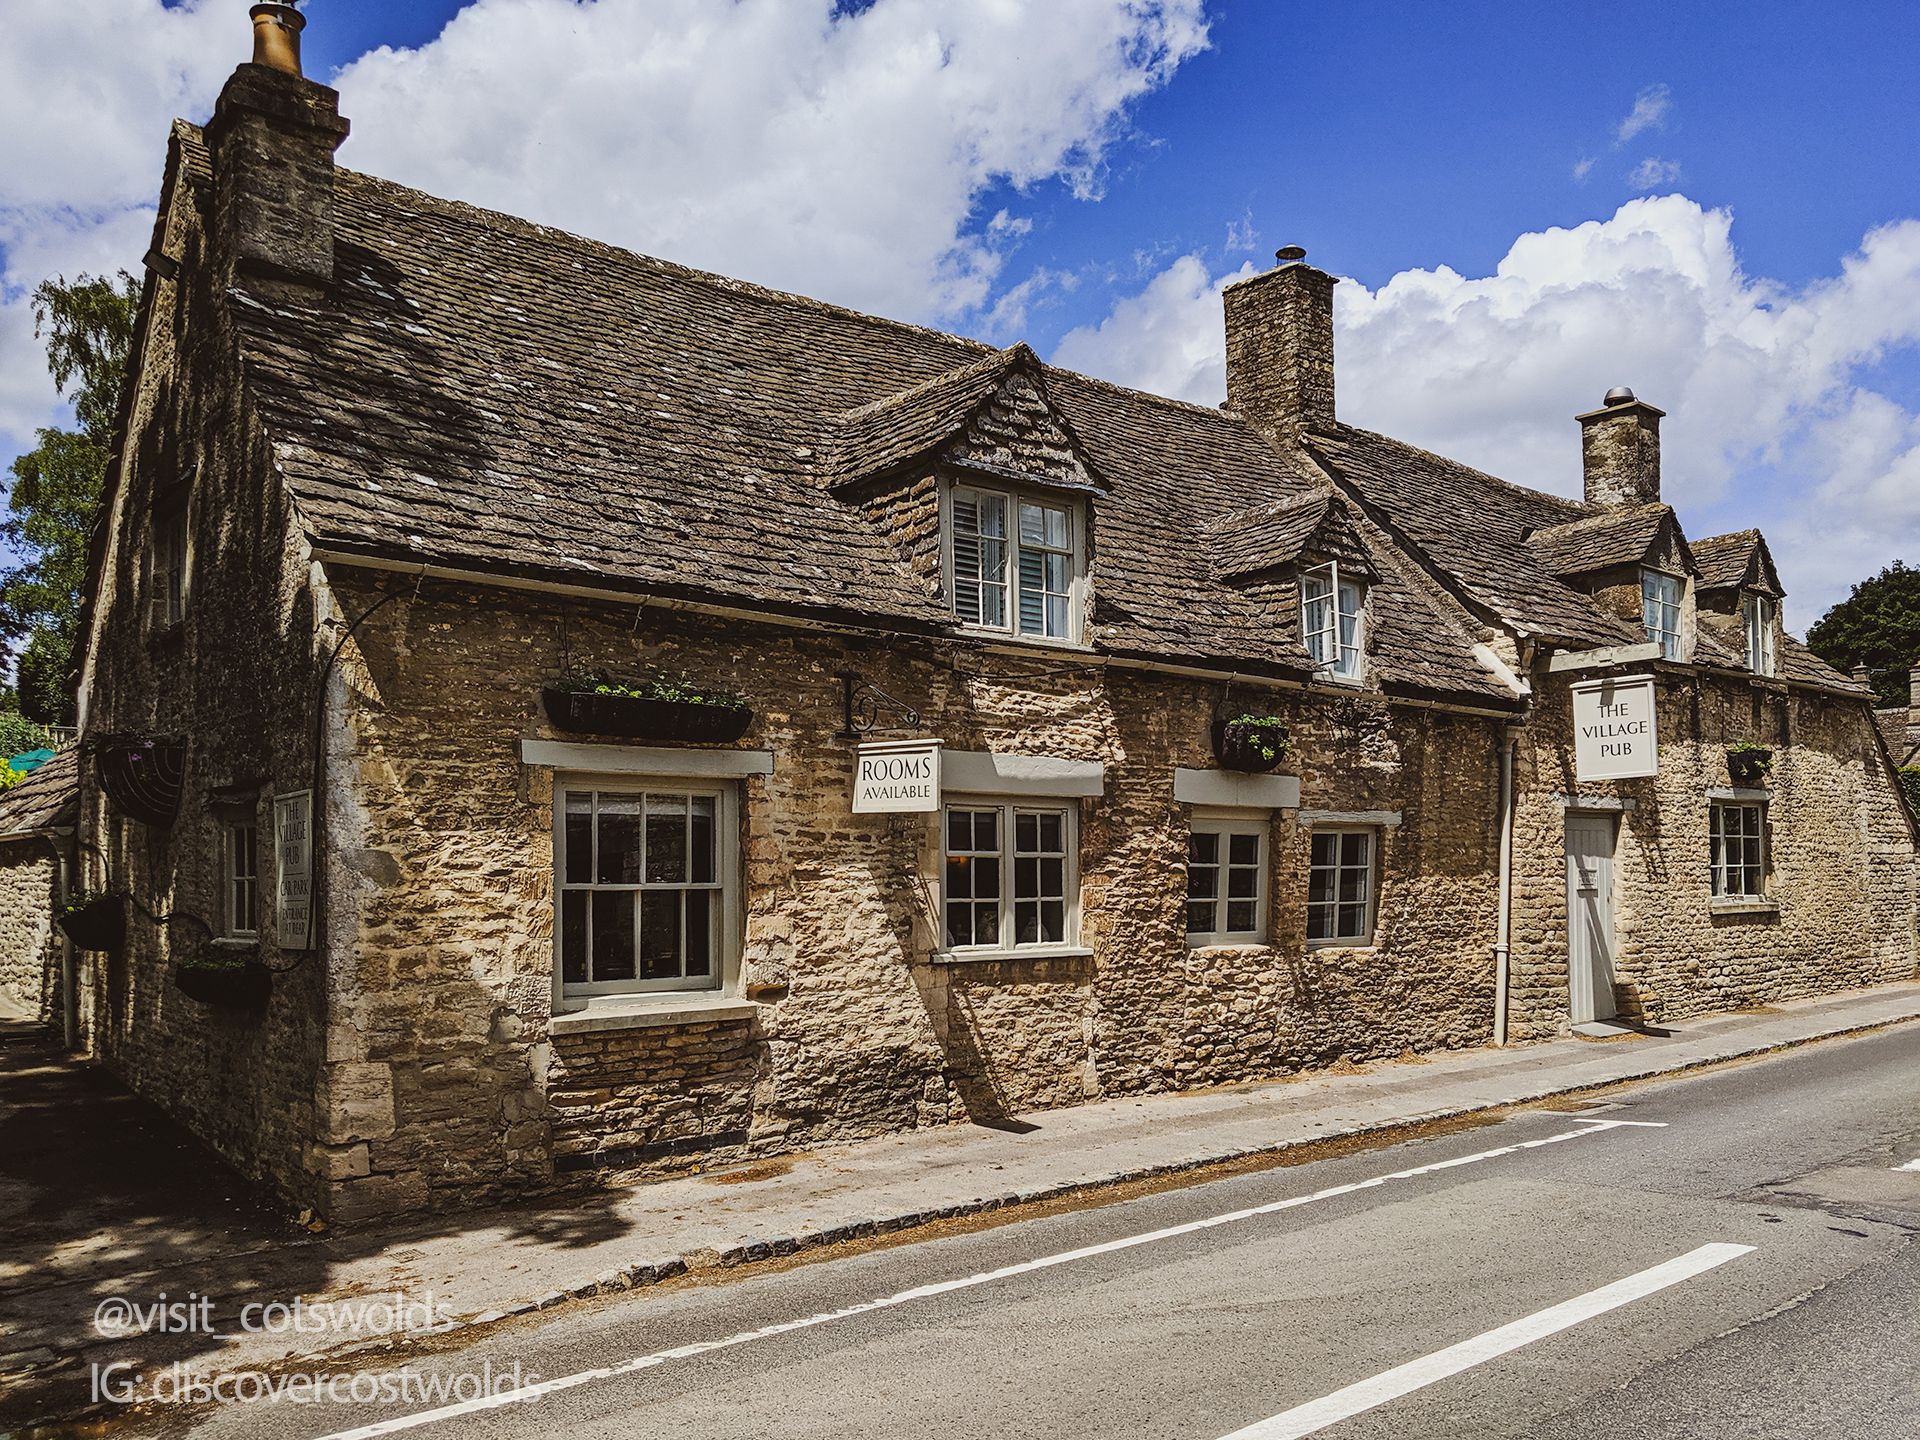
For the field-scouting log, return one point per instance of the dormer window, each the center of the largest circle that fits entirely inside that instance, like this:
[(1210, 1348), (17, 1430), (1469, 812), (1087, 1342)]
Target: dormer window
[(1332, 617), (1015, 562), (1660, 605), (1759, 613)]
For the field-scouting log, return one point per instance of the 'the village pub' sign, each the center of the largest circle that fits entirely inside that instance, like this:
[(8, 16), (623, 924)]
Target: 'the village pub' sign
[(1613, 729), (896, 776)]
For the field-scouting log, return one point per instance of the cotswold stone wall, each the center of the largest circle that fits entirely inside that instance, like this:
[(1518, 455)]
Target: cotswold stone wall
[(29, 947), (1842, 858), (234, 682), (444, 953)]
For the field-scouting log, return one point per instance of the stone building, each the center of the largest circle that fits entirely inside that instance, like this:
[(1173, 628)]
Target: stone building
[(405, 484), (36, 848), (1900, 725)]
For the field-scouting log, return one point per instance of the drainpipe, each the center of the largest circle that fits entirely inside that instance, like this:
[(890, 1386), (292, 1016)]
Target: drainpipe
[(1502, 967)]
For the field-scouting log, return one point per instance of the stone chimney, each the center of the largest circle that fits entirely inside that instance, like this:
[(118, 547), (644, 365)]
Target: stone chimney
[(273, 135), (1913, 698), (1280, 347), (1862, 675), (1620, 451)]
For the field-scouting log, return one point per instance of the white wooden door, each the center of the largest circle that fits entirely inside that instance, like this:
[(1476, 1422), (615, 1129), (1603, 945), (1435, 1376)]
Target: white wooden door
[(1590, 917)]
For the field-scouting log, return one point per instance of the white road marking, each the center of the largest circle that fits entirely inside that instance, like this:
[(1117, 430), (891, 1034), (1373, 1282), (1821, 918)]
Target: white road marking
[(1341, 1405), (542, 1388), (1910, 1165)]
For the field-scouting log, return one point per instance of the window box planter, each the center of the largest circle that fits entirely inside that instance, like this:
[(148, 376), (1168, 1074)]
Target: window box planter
[(715, 720), (141, 775), (1749, 765), (1252, 744), (95, 922), (225, 984)]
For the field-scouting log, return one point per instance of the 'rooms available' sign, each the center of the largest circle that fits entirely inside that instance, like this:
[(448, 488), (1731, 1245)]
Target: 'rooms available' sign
[(1613, 729), (896, 775)]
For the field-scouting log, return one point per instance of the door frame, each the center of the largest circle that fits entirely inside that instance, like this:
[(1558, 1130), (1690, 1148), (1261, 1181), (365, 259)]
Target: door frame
[(1590, 981)]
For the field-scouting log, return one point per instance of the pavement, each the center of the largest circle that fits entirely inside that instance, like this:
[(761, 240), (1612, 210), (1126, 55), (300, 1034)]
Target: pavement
[(102, 1198)]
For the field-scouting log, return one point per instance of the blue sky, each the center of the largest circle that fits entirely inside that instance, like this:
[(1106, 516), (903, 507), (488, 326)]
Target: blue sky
[(1085, 173)]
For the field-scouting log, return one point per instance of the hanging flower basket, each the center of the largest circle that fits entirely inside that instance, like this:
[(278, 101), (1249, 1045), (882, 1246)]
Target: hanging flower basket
[(238, 984), (94, 922), (142, 775), (1251, 743), (653, 710), (1749, 764)]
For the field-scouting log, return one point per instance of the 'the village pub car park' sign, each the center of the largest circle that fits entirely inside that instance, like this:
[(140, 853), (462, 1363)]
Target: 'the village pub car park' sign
[(896, 776), (1613, 729)]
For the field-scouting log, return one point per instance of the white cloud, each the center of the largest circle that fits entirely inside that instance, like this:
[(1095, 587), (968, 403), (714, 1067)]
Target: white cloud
[(1652, 173), (1650, 110), (86, 90), (839, 153), (1582, 167), (1773, 419), (1242, 238)]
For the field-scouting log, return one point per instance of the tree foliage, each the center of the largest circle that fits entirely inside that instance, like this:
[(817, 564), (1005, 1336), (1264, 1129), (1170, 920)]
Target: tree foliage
[(1878, 626), (88, 326)]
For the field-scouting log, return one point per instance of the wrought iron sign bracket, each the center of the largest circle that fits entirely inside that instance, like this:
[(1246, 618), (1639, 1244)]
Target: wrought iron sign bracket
[(863, 704)]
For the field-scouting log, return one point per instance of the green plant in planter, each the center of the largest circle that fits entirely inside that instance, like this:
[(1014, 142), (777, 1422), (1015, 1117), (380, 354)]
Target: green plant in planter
[(669, 691), (1748, 759), (217, 962), (1263, 735)]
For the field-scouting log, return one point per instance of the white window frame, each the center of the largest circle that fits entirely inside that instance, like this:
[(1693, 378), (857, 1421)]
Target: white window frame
[(1010, 808), (1365, 937), (1328, 644), (1753, 830), (167, 568), (726, 888), (1075, 551), (1757, 615), (238, 880), (1671, 640), (1224, 825)]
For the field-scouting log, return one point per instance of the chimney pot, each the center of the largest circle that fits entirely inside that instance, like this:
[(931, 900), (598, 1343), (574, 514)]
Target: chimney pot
[(1620, 451), (1862, 675), (276, 37), (1280, 347)]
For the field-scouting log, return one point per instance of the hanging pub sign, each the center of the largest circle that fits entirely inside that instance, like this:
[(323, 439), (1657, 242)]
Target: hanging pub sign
[(1614, 735), (293, 868), (896, 776)]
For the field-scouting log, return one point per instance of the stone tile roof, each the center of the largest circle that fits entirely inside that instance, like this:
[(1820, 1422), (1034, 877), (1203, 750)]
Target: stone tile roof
[(1474, 528), (993, 415), (482, 393), (48, 799), (1266, 537), (1596, 542), (1740, 560)]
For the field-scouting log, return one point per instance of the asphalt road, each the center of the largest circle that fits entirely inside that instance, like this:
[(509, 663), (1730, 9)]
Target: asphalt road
[(1738, 1261)]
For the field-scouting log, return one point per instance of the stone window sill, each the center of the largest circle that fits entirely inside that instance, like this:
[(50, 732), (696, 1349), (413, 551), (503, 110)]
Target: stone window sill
[(239, 946), (1742, 905), (641, 1012), (1197, 943), (1025, 952)]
